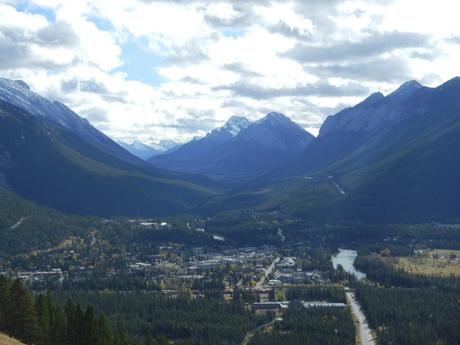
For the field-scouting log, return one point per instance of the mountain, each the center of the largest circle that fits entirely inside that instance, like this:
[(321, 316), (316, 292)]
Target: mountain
[(182, 158), (388, 159), (413, 170), (144, 151), (239, 149), (354, 127), (165, 146), (17, 93), (140, 149), (52, 156)]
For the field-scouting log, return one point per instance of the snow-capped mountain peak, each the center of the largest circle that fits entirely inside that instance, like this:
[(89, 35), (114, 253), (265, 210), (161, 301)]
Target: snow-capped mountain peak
[(139, 145), (18, 93), (139, 149), (235, 124), (164, 145), (23, 84)]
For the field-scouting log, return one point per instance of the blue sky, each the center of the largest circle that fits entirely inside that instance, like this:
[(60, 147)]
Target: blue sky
[(153, 70), (140, 63)]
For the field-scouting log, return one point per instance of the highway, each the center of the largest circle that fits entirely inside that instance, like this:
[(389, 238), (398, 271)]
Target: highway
[(364, 332)]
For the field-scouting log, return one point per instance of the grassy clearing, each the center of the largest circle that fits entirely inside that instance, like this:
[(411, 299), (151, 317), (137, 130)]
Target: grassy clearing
[(6, 340), (437, 262)]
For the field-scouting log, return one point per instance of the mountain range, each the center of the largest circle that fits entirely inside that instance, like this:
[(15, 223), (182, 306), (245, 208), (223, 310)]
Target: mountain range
[(144, 151), (239, 149), (388, 158), (393, 157), (139, 149)]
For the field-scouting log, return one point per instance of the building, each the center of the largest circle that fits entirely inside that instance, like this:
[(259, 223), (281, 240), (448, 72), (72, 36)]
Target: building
[(267, 307), (317, 304)]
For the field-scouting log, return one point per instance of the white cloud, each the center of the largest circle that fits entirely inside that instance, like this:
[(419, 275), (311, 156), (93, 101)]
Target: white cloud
[(221, 10), (202, 58)]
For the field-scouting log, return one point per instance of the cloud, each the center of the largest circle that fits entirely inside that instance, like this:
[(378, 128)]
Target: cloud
[(83, 86), (255, 91), (241, 69), (375, 43), (191, 53), (58, 34), (453, 39), (173, 69), (285, 29), (391, 69), (97, 115)]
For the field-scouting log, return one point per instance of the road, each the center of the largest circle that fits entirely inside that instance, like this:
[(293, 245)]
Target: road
[(18, 223), (364, 333), (267, 271), (252, 333)]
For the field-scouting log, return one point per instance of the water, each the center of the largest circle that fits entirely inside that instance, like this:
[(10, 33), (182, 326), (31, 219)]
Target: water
[(346, 258)]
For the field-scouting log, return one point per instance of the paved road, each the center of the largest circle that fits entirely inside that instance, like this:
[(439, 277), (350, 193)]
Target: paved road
[(267, 271), (364, 333)]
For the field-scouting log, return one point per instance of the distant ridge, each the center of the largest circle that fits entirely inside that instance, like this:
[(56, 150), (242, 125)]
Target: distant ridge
[(140, 149), (239, 149)]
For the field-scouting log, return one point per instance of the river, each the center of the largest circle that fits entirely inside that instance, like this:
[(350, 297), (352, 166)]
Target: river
[(346, 258)]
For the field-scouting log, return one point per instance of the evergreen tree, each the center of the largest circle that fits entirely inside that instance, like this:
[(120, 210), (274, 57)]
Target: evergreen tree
[(43, 320), (4, 302), (22, 321)]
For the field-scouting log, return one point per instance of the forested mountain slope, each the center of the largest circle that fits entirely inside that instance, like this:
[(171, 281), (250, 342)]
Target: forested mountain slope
[(80, 170)]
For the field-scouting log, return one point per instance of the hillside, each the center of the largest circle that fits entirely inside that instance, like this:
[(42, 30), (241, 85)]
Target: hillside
[(352, 129), (25, 226), (6, 340), (80, 170), (406, 171)]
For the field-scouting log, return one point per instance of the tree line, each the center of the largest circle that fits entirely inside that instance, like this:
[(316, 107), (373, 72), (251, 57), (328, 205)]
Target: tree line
[(40, 320), (408, 309), (328, 326), (205, 320)]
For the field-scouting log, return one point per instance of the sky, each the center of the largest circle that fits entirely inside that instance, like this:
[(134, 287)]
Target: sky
[(150, 70)]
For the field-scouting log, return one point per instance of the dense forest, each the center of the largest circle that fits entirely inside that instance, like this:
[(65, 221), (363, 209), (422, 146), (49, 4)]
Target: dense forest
[(206, 321), (409, 309), (25, 226), (329, 326), (40, 320), (382, 273), (423, 316)]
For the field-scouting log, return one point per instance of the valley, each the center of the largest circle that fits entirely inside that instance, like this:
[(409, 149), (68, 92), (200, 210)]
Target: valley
[(242, 241), (229, 172), (177, 264)]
